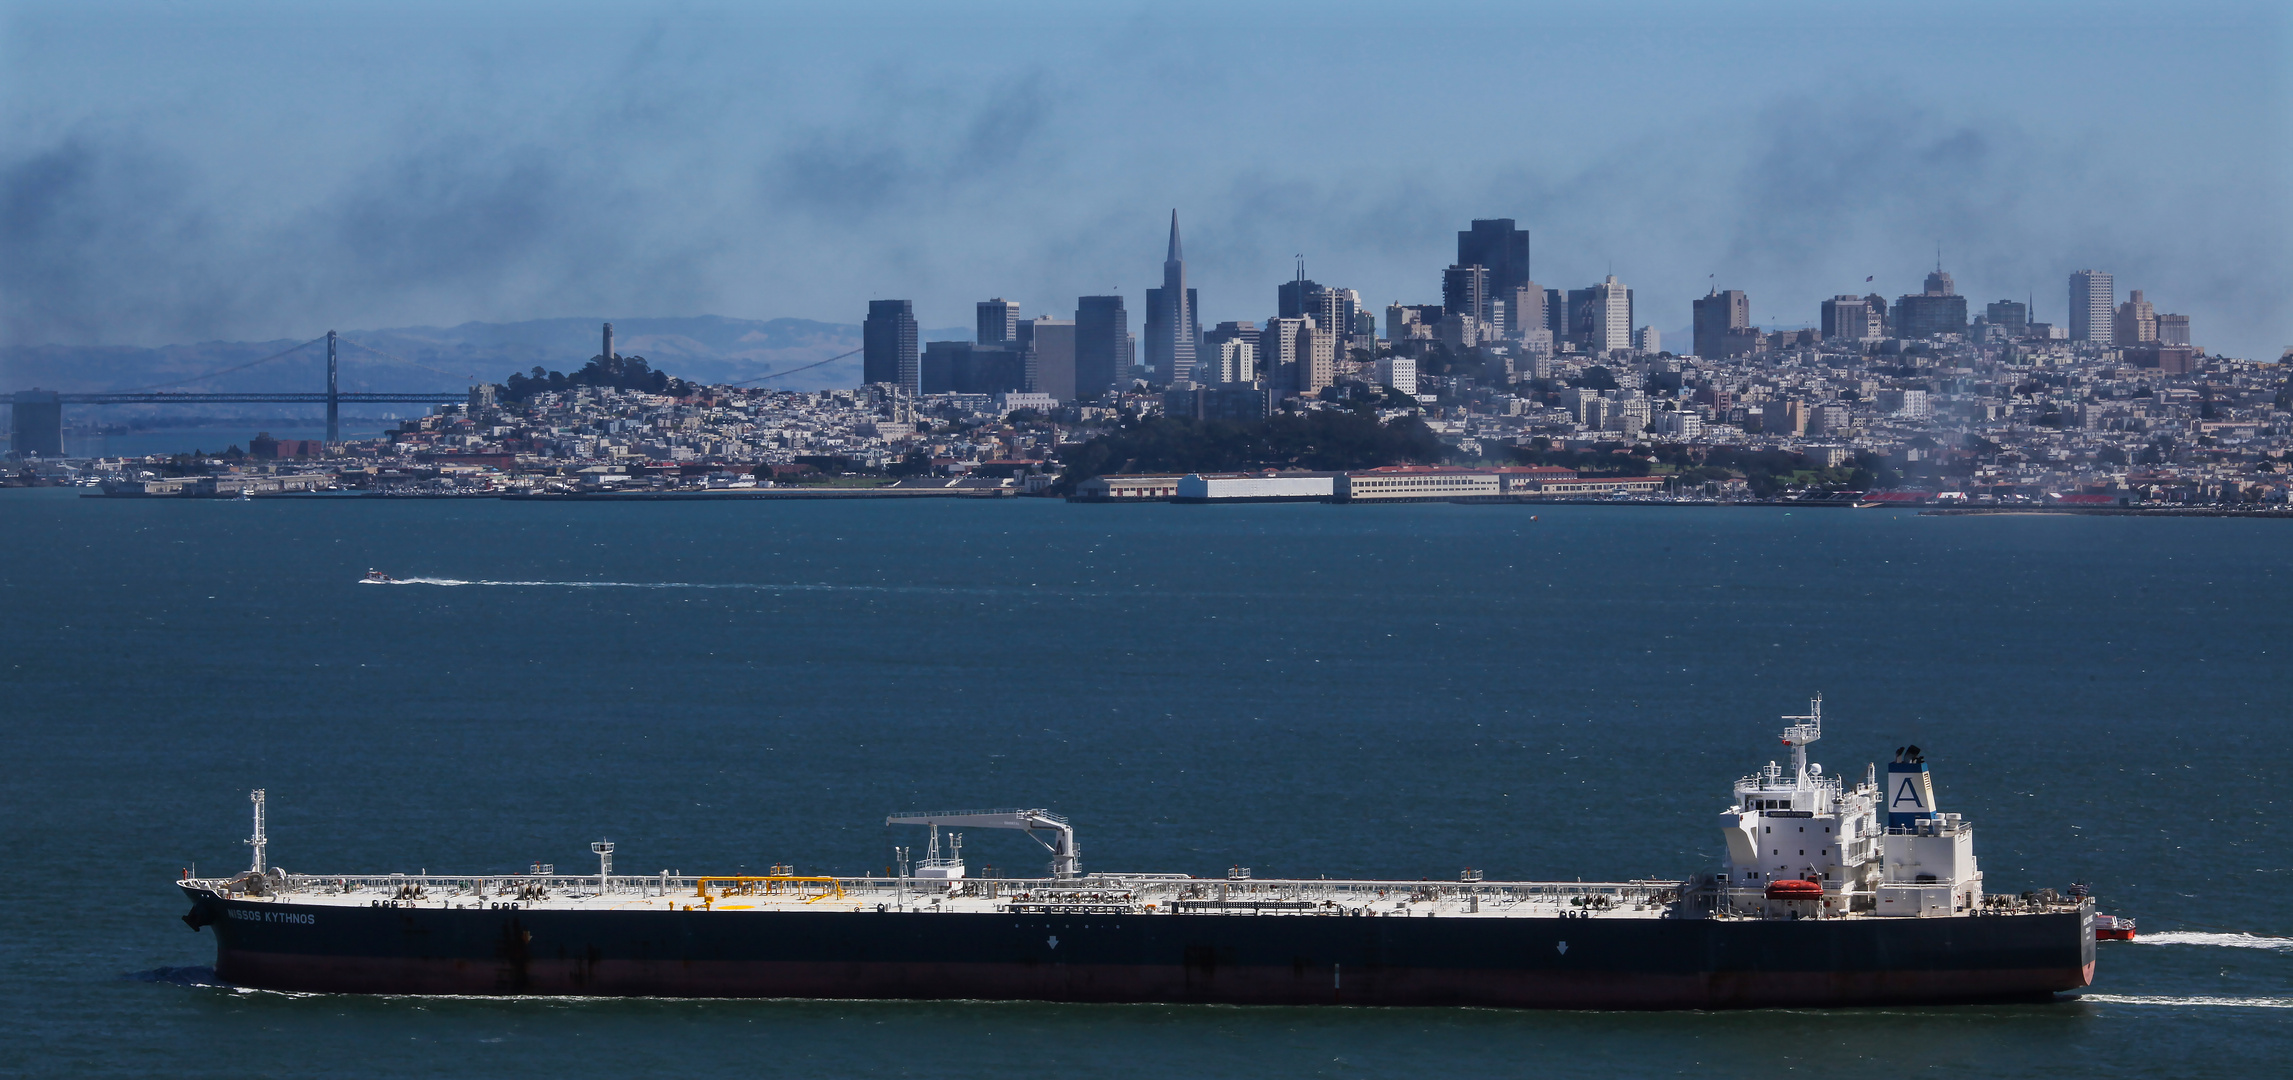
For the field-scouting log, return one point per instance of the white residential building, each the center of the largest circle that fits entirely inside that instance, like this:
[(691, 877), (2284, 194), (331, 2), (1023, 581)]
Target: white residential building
[(1399, 372)]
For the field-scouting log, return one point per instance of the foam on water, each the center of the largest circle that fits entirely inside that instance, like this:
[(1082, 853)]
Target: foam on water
[(2233, 941), (2164, 999)]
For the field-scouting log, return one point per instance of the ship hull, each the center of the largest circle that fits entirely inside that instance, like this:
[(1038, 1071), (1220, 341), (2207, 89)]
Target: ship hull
[(1202, 958)]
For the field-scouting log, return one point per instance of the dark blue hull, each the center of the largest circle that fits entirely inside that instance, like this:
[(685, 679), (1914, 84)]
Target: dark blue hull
[(1229, 959)]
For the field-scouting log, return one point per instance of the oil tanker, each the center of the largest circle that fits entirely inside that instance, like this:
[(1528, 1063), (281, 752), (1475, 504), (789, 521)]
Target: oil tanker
[(1831, 893)]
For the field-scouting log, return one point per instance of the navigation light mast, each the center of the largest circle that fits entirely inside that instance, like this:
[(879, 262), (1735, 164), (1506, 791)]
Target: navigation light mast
[(1797, 736)]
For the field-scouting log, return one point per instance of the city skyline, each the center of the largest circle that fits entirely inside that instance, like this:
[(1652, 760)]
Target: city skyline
[(2098, 297), (186, 175), (1492, 264)]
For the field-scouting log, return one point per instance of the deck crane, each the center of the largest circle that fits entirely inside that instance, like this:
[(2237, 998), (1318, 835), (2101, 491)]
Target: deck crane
[(1066, 858)]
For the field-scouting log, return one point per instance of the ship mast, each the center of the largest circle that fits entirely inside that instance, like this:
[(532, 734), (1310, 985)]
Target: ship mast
[(1808, 729), (603, 849), (257, 841)]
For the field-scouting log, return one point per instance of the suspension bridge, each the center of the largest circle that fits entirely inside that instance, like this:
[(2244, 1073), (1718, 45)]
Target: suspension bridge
[(38, 415)]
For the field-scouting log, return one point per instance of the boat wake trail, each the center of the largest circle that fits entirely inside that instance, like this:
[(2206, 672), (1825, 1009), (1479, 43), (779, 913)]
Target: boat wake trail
[(2163, 999), (180, 976), (735, 585), (2233, 941)]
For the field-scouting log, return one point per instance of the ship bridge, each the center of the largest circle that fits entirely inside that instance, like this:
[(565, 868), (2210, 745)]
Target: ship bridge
[(1804, 839)]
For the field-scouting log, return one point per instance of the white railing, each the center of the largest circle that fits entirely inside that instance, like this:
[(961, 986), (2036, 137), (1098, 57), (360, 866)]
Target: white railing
[(1161, 890)]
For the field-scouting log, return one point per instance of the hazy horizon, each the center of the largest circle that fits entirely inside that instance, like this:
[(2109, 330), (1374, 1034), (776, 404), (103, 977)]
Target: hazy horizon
[(250, 171)]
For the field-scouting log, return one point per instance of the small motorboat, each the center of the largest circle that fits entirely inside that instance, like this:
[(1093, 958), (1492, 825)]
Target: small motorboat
[(377, 577), (2113, 928)]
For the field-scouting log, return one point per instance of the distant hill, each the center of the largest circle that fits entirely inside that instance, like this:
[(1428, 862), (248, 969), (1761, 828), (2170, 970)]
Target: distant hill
[(702, 348)]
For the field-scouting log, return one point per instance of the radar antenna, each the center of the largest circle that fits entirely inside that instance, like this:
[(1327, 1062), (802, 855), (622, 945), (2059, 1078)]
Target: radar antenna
[(1807, 730), (257, 841)]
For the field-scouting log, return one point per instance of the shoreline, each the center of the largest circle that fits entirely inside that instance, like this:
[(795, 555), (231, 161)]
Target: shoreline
[(2104, 511), (834, 494)]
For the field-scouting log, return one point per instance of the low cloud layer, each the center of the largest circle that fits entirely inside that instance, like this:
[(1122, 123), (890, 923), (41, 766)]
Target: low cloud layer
[(200, 178)]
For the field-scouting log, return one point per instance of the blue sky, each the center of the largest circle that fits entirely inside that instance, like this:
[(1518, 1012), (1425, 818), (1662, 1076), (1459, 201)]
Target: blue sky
[(191, 171)]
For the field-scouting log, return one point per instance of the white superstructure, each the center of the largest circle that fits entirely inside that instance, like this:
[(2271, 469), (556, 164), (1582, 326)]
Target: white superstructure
[(1872, 849)]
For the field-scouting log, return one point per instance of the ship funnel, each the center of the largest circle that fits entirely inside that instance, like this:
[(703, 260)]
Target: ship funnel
[(1910, 793)]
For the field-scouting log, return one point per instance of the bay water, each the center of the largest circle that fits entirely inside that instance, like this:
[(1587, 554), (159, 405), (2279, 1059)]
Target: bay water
[(1535, 692)]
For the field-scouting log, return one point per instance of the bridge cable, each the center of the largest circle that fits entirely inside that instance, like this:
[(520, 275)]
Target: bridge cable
[(794, 370), (472, 376), (224, 371)]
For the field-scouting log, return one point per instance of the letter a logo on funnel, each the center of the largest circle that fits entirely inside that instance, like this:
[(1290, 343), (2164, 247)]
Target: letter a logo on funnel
[(1908, 793)]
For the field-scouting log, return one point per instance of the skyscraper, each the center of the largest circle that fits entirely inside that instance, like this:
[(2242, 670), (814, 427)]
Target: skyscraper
[(888, 340), (1047, 348), (962, 367), (1717, 313), (1579, 319), (2093, 294), (1465, 290), (1937, 309), (1524, 310), (1333, 309), (1848, 317), (998, 321), (937, 369), (2173, 329), (1102, 345), (1173, 326), (1317, 359), (1296, 297), (1283, 346), (1611, 316), (1229, 354), (1878, 306), (1495, 244), (2136, 322), (38, 418), (2012, 317)]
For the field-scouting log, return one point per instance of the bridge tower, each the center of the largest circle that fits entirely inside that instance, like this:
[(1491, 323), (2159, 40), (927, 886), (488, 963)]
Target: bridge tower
[(333, 399)]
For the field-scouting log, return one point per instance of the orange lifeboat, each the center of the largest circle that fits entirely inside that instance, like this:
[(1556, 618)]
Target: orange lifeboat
[(1795, 890)]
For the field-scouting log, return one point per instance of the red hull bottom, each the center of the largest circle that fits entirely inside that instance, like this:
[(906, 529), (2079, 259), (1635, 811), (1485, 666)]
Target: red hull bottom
[(1143, 983)]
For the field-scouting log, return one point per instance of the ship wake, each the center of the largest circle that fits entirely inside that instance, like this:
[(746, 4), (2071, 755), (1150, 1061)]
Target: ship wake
[(2201, 1001), (2232, 941), (733, 585), (180, 976)]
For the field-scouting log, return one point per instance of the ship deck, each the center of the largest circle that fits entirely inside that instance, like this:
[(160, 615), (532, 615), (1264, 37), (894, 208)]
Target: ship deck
[(1145, 894), (1129, 894)]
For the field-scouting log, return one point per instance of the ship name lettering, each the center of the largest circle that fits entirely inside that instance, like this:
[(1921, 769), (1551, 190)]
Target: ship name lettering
[(303, 918)]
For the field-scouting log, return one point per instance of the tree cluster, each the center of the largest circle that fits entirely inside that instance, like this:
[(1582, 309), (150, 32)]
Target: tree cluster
[(1767, 472), (613, 372), (1322, 440)]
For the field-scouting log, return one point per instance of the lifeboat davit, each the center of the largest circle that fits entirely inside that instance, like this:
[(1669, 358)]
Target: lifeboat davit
[(1795, 890)]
